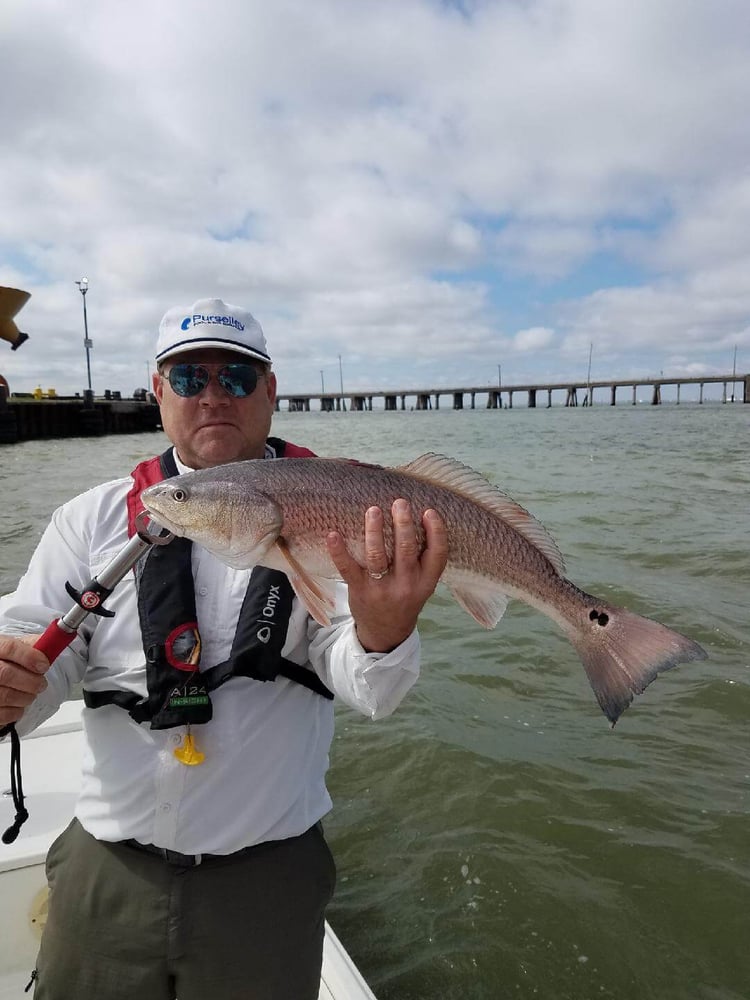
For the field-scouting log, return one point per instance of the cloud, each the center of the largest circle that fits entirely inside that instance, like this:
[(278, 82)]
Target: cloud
[(534, 339), (385, 179)]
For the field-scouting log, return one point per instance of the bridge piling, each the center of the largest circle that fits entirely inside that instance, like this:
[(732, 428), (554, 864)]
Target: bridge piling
[(427, 399)]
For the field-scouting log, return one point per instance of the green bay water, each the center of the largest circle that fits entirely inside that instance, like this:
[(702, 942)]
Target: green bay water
[(494, 837)]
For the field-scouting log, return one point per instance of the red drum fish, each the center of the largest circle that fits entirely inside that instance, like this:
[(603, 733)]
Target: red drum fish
[(278, 512)]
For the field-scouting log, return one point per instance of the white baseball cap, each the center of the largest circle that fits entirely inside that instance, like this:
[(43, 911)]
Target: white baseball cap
[(210, 323)]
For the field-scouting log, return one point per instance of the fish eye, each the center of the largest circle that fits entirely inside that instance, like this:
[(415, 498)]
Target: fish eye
[(179, 494)]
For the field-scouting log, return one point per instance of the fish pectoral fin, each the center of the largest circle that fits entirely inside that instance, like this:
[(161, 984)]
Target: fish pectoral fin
[(485, 606), (314, 593)]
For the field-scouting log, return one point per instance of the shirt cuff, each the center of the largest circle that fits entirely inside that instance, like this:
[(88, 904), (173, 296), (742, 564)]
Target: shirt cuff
[(376, 683)]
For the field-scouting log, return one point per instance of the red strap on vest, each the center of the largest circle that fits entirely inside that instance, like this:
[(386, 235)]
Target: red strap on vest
[(144, 474), (297, 451)]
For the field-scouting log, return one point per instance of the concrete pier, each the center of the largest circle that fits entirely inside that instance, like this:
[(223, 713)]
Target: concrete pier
[(734, 388), (23, 418)]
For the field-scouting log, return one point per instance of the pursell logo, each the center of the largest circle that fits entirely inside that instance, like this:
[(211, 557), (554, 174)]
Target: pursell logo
[(197, 318), (213, 320)]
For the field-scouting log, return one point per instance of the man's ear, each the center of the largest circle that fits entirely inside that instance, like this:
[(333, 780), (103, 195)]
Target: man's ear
[(271, 387)]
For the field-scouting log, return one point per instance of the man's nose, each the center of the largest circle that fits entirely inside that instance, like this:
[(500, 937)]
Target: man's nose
[(214, 394)]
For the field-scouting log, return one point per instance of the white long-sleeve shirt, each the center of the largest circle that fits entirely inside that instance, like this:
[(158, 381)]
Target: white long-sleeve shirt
[(268, 742)]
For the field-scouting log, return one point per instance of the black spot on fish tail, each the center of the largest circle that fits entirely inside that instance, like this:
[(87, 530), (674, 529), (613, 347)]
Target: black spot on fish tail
[(622, 653)]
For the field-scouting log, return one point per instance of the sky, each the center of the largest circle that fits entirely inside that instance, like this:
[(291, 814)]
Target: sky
[(436, 193)]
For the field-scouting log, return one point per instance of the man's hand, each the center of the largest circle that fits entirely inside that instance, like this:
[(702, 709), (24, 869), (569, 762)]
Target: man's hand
[(385, 600), (22, 670)]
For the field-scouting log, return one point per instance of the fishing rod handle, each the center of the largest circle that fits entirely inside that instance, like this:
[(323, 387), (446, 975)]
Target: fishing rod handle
[(125, 559), (60, 633), (55, 638)]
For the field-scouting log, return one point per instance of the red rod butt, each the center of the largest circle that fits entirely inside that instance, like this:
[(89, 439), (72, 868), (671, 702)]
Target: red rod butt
[(54, 640)]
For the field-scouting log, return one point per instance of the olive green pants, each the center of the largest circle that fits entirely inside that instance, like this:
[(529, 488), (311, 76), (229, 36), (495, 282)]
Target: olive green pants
[(125, 924)]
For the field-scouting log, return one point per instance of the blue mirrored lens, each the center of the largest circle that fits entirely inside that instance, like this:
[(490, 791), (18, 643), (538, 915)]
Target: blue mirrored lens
[(188, 380), (238, 380)]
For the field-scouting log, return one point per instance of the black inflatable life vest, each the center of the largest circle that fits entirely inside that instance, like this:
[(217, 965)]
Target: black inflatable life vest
[(178, 691)]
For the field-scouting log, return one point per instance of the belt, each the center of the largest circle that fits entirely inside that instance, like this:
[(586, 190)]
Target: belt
[(184, 860), (192, 860)]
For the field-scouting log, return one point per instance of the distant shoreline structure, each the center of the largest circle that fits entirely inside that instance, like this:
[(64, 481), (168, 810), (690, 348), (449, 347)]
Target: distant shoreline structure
[(28, 416), (423, 398)]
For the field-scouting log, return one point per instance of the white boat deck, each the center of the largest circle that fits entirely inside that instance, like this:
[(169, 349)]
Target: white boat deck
[(51, 775)]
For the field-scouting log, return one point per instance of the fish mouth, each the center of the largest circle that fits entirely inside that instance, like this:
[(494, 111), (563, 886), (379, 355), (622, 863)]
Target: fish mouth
[(162, 521)]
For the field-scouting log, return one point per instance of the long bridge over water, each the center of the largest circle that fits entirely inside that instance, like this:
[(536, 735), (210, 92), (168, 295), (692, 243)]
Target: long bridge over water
[(25, 416), (734, 387)]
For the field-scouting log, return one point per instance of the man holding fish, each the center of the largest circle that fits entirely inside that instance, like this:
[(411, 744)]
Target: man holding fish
[(196, 865)]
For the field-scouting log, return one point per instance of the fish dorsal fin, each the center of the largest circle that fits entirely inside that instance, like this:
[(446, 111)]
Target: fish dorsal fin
[(455, 476)]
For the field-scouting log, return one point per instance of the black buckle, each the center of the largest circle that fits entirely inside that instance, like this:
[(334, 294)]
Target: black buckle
[(171, 857), (180, 860)]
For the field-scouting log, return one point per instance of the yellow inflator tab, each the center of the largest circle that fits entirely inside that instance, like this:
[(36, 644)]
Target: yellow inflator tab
[(188, 753)]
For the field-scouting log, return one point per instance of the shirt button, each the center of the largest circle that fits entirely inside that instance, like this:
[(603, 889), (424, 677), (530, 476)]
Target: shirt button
[(166, 807), (175, 739), (203, 591)]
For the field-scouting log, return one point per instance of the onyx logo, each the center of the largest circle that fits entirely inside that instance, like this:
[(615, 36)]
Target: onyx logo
[(271, 601), (269, 613)]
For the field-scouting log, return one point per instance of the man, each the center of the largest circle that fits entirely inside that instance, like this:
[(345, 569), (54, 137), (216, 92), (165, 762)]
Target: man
[(196, 866)]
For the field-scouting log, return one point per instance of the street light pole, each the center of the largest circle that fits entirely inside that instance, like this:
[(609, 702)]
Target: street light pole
[(83, 287), (341, 382), (322, 383)]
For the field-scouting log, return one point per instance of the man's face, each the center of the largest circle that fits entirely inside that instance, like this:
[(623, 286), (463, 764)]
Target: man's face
[(215, 427)]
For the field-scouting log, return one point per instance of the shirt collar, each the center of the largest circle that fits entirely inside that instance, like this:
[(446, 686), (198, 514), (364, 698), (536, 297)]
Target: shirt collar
[(270, 452)]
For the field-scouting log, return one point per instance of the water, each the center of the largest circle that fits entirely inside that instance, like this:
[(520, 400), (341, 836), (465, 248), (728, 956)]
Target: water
[(494, 837)]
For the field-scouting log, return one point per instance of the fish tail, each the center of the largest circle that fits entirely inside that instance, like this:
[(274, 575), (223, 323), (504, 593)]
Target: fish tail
[(623, 652)]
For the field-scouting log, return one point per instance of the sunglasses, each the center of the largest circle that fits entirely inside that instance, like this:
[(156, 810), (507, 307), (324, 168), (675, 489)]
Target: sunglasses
[(238, 380)]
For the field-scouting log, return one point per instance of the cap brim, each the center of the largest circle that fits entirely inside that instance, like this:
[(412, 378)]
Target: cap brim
[(185, 346)]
